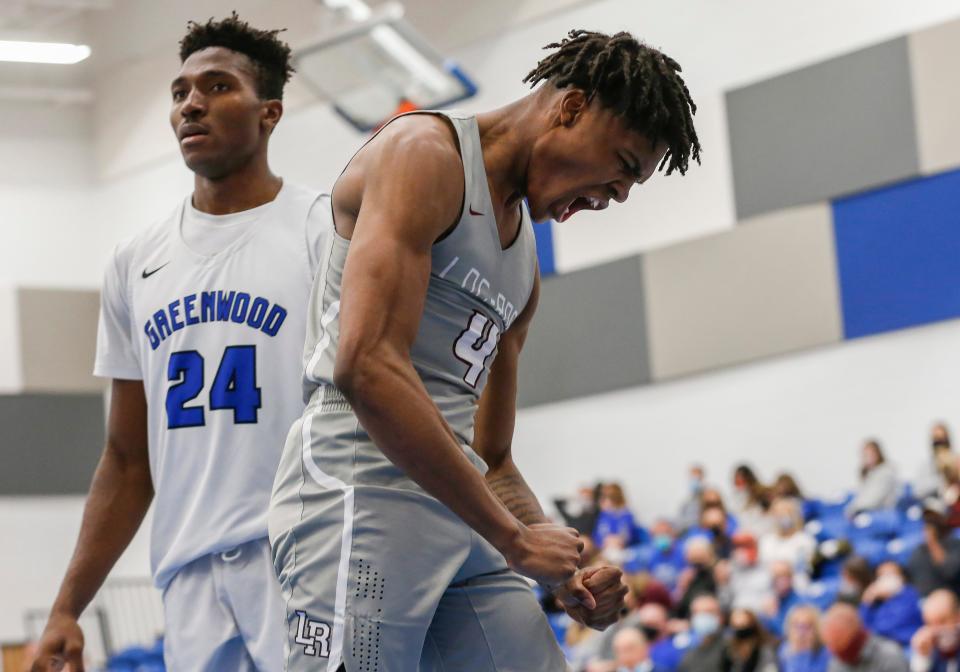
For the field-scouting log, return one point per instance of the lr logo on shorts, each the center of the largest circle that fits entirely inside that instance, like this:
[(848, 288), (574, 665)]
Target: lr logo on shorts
[(314, 635)]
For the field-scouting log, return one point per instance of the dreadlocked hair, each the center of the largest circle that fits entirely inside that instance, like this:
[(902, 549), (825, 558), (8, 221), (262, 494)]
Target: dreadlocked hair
[(638, 83), (270, 55)]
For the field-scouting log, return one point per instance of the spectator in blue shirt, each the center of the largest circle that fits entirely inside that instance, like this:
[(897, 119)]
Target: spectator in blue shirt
[(665, 560), (801, 650), (784, 597), (616, 527), (890, 606)]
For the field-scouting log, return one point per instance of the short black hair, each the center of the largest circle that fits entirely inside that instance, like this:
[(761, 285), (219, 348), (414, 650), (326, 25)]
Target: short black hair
[(637, 82), (270, 55)]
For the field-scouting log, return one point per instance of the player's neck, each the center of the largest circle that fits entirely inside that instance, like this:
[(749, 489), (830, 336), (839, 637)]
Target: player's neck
[(243, 189), (507, 135)]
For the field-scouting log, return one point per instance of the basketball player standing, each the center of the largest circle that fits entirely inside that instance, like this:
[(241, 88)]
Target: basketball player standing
[(399, 522), (201, 328)]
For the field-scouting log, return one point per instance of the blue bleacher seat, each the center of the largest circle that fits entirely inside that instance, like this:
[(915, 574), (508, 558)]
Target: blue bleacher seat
[(878, 524)]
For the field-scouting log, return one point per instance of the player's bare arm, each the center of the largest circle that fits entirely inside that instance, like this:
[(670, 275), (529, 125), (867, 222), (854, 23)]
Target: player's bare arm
[(119, 497), (593, 596), (410, 193)]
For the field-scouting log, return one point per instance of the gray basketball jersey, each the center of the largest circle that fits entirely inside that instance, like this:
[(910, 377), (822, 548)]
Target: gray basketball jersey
[(476, 291)]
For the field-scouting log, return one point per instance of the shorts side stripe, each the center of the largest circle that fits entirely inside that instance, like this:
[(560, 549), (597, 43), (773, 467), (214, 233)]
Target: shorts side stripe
[(346, 541)]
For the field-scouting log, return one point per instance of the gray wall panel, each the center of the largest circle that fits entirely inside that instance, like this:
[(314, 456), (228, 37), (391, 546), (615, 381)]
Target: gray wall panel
[(588, 335), (50, 443), (829, 129), (58, 339)]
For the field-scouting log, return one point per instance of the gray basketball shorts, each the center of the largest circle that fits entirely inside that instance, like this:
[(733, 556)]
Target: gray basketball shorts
[(377, 576)]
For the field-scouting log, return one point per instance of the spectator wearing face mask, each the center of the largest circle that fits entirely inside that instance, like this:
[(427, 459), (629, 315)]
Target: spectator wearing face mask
[(855, 576), (742, 581), (936, 562), (689, 514), (782, 599), (789, 542), (878, 481), (713, 524), (697, 579), (890, 607), (580, 512), (853, 648), (802, 650), (748, 649), (931, 482), (632, 652), (936, 646), (711, 498), (665, 560), (706, 651)]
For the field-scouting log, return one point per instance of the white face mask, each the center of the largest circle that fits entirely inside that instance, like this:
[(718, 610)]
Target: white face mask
[(891, 584)]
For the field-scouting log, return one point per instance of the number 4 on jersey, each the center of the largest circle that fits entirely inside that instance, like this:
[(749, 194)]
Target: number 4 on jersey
[(475, 345)]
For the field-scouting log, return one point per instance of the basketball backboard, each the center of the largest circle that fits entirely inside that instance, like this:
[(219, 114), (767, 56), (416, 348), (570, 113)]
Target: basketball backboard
[(374, 68)]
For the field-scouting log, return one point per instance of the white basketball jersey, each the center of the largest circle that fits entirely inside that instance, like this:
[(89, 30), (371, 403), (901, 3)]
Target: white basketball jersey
[(217, 340)]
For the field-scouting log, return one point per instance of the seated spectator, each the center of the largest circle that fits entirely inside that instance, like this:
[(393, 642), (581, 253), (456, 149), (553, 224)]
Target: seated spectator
[(785, 486), (802, 650), (890, 607), (936, 646), (632, 652), (742, 581), (790, 543), (581, 512), (711, 497), (616, 528), (707, 646), (878, 482), (713, 523), (748, 649), (750, 501), (651, 618), (666, 560), (689, 514), (855, 576), (854, 649), (931, 482), (783, 598), (936, 562), (697, 579)]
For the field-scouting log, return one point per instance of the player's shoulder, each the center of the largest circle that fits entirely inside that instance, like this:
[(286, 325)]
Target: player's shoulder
[(423, 138), (145, 244)]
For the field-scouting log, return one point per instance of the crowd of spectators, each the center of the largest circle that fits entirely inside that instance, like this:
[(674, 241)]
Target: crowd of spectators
[(772, 579)]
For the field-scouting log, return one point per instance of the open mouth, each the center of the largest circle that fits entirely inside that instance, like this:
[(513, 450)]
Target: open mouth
[(581, 203)]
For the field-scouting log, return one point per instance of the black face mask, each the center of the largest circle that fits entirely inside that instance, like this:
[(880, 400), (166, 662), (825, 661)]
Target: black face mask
[(744, 633), (651, 633), (941, 444)]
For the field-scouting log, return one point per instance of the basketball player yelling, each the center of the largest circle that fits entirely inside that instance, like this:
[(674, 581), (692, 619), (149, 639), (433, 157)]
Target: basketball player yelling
[(400, 524), (201, 329)]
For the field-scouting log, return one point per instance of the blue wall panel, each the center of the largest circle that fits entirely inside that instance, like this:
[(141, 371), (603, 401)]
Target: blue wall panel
[(544, 234), (898, 255)]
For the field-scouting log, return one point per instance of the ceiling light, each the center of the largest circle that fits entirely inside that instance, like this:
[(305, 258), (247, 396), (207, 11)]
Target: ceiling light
[(42, 52)]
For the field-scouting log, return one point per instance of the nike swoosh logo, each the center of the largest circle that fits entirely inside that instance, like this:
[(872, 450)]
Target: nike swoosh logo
[(474, 212), (148, 274)]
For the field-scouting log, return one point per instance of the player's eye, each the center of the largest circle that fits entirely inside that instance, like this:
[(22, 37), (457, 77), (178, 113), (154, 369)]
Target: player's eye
[(179, 94), (220, 86)]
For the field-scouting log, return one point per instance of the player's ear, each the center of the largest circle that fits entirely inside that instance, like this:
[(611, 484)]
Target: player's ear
[(270, 114), (573, 103)]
